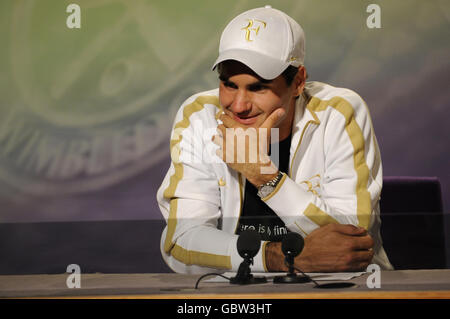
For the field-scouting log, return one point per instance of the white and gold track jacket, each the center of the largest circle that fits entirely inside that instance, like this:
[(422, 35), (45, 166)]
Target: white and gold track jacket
[(335, 176)]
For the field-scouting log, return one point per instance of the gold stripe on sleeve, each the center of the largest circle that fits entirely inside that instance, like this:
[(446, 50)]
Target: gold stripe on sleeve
[(191, 257), (241, 181), (169, 193), (318, 216), (171, 225), (364, 206)]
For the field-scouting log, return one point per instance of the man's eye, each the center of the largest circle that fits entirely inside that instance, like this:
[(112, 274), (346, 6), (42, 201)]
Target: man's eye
[(257, 87), (229, 84)]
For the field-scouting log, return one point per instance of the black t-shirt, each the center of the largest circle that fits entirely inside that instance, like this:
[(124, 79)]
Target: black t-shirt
[(256, 214)]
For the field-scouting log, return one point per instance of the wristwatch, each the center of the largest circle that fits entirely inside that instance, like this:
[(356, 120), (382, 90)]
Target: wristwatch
[(266, 189)]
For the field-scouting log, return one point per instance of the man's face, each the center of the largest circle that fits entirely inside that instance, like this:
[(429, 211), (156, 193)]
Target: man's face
[(249, 99)]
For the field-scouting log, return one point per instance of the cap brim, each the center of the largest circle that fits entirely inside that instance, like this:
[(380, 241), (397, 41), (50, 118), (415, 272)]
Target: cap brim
[(266, 67)]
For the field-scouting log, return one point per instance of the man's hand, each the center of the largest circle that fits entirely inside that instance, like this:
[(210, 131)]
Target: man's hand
[(245, 149), (331, 248)]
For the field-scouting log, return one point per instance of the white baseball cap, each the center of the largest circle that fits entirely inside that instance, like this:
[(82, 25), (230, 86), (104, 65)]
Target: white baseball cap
[(264, 39)]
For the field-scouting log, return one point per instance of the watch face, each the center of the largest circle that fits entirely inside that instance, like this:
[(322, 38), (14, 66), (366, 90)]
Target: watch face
[(266, 190)]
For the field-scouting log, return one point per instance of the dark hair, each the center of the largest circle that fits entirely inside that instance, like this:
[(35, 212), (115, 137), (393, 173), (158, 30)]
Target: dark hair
[(288, 74)]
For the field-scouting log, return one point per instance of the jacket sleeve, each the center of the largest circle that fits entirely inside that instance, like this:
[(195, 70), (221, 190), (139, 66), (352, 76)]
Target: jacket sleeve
[(351, 183), (189, 199)]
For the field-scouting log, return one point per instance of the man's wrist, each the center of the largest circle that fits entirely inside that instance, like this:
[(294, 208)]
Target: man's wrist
[(274, 257), (262, 179), (269, 187)]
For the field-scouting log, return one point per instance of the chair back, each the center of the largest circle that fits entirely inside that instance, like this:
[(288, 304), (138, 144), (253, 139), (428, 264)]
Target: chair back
[(412, 226)]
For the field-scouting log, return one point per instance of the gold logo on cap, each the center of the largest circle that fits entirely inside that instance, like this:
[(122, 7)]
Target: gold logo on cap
[(249, 28)]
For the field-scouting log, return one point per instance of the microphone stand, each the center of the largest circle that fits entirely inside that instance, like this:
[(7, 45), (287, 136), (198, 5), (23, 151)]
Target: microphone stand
[(244, 276), (291, 277)]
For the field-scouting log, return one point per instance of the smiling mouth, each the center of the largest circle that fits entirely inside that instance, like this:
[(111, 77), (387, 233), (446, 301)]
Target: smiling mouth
[(246, 120), (246, 117)]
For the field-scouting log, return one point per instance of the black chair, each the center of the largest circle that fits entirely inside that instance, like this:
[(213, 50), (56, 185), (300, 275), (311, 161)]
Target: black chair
[(413, 222)]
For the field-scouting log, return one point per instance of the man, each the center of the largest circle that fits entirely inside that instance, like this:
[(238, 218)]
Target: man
[(324, 185)]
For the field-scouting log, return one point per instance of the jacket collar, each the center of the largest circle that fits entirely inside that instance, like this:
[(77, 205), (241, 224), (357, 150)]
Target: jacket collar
[(303, 113)]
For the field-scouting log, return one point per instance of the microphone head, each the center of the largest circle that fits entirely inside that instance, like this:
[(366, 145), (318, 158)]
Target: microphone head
[(248, 243), (292, 244)]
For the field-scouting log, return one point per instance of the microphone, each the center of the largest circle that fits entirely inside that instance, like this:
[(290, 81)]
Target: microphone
[(291, 246), (248, 245)]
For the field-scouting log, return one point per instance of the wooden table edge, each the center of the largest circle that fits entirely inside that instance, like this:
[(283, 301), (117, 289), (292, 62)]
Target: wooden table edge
[(437, 294)]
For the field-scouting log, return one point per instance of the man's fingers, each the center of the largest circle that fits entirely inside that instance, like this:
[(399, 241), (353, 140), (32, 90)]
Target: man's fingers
[(219, 153), (221, 130), (218, 140), (355, 261), (348, 229), (274, 118), (362, 256), (362, 242), (228, 121)]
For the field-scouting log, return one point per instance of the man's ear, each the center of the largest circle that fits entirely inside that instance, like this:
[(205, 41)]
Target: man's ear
[(300, 80)]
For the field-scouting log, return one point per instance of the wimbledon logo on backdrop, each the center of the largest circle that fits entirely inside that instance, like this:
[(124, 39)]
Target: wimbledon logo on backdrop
[(95, 105)]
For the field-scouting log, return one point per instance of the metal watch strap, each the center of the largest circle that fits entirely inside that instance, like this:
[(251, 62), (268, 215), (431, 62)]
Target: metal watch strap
[(272, 183)]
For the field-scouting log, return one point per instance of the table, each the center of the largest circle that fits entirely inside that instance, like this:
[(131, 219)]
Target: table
[(398, 284)]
